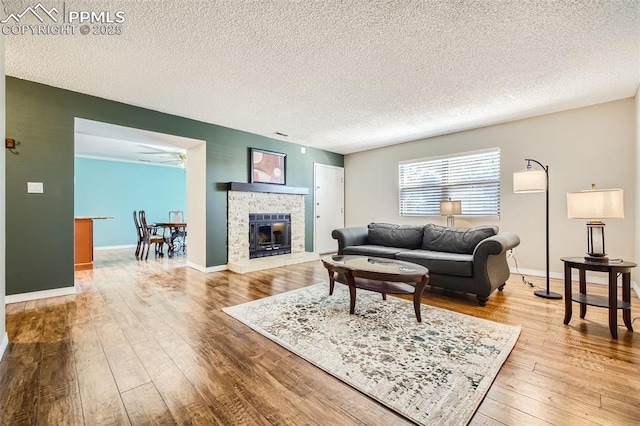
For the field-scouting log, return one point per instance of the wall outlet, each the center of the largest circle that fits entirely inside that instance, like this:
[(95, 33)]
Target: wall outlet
[(35, 188)]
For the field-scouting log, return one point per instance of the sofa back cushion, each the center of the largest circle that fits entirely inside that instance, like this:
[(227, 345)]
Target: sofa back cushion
[(389, 235), (455, 240)]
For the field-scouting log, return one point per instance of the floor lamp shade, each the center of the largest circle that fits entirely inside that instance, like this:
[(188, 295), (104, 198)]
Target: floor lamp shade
[(530, 180), (594, 205)]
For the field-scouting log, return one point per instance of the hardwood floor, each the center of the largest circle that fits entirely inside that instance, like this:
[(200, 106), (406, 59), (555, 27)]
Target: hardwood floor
[(147, 343)]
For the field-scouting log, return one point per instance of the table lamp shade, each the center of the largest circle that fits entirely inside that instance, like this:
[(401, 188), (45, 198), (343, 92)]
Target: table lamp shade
[(530, 180), (448, 208), (596, 204)]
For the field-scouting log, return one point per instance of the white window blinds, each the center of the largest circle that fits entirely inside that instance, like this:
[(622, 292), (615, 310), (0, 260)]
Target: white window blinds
[(472, 177)]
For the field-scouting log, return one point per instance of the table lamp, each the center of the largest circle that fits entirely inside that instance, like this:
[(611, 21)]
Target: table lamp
[(533, 180), (449, 208), (595, 204)]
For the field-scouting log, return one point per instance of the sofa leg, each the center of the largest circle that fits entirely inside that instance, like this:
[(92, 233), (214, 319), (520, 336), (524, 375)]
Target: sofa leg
[(482, 301), (501, 287)]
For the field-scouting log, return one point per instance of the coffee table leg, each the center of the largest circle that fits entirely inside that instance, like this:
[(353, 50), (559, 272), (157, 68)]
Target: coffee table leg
[(332, 281), (352, 291), (417, 295)]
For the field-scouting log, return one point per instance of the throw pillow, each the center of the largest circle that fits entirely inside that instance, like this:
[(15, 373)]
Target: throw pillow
[(455, 240), (390, 235)]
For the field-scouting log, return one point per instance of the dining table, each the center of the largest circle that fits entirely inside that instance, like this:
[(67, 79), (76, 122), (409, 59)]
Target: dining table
[(174, 234)]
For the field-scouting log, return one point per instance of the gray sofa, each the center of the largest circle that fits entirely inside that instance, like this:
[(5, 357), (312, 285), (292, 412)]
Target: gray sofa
[(472, 260)]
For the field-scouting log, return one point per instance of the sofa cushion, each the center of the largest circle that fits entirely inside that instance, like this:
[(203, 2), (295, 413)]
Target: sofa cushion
[(455, 240), (374, 251), (390, 235), (439, 262)]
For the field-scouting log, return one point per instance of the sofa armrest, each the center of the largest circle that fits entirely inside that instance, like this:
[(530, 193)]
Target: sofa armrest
[(497, 244), (490, 268), (354, 236)]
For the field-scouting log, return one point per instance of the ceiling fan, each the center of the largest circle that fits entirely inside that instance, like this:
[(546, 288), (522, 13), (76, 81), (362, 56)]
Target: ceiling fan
[(172, 155)]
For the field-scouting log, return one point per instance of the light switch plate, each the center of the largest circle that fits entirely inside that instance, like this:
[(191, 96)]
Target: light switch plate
[(35, 187)]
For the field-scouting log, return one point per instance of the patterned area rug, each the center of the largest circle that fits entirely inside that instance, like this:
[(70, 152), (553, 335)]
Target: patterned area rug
[(436, 372)]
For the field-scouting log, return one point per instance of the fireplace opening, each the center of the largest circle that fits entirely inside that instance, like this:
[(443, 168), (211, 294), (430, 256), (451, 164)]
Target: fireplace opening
[(269, 234)]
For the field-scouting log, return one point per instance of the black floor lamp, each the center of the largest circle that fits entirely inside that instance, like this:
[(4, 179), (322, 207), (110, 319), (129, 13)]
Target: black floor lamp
[(527, 181)]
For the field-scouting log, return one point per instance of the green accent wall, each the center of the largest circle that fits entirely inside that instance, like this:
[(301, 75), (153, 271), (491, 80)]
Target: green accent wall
[(40, 226)]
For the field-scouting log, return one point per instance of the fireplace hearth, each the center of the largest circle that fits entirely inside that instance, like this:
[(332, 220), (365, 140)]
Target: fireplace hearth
[(269, 234)]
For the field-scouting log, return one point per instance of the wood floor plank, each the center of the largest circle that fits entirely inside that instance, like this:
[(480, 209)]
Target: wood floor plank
[(125, 365), (101, 402), (152, 336), (482, 420), (507, 414), (62, 411), (531, 405), (183, 401), (19, 383), (84, 340), (130, 325), (58, 377), (626, 407), (511, 375), (146, 407)]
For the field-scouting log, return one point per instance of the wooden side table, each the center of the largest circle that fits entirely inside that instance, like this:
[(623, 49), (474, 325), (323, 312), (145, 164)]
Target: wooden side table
[(611, 302)]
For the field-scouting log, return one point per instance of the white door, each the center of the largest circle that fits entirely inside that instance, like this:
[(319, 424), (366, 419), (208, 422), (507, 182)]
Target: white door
[(328, 206)]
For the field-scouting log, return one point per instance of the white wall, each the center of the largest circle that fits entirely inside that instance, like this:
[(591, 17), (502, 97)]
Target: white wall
[(637, 179), (196, 206), (3, 335), (595, 144)]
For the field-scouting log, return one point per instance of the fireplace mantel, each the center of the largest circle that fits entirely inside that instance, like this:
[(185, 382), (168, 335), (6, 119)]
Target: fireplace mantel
[(267, 187)]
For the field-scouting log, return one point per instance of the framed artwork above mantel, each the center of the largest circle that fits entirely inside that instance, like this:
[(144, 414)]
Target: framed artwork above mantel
[(268, 167)]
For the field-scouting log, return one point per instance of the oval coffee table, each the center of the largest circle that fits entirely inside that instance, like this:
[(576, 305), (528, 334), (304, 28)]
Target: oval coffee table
[(386, 276)]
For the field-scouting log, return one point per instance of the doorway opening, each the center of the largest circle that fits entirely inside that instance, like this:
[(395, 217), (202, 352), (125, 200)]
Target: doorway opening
[(120, 169)]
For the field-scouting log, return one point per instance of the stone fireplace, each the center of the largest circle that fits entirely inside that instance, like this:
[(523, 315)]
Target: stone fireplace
[(242, 204)]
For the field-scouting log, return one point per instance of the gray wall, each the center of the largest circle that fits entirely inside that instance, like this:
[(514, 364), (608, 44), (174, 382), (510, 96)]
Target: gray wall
[(636, 178), (596, 144)]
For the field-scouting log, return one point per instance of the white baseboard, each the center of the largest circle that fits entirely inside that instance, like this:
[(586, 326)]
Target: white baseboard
[(34, 295), (560, 275), (574, 276), (206, 270), (114, 247), (216, 269), (4, 344)]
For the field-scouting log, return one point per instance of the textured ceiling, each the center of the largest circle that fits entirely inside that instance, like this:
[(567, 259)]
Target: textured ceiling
[(345, 76)]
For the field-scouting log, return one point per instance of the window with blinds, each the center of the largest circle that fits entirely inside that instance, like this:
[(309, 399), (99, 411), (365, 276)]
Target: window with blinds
[(472, 177)]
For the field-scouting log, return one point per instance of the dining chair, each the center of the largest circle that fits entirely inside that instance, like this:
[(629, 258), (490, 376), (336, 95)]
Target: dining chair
[(138, 232), (150, 236), (176, 216), (178, 234)]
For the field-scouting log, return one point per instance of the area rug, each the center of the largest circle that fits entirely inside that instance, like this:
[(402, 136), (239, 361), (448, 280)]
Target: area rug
[(434, 373)]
